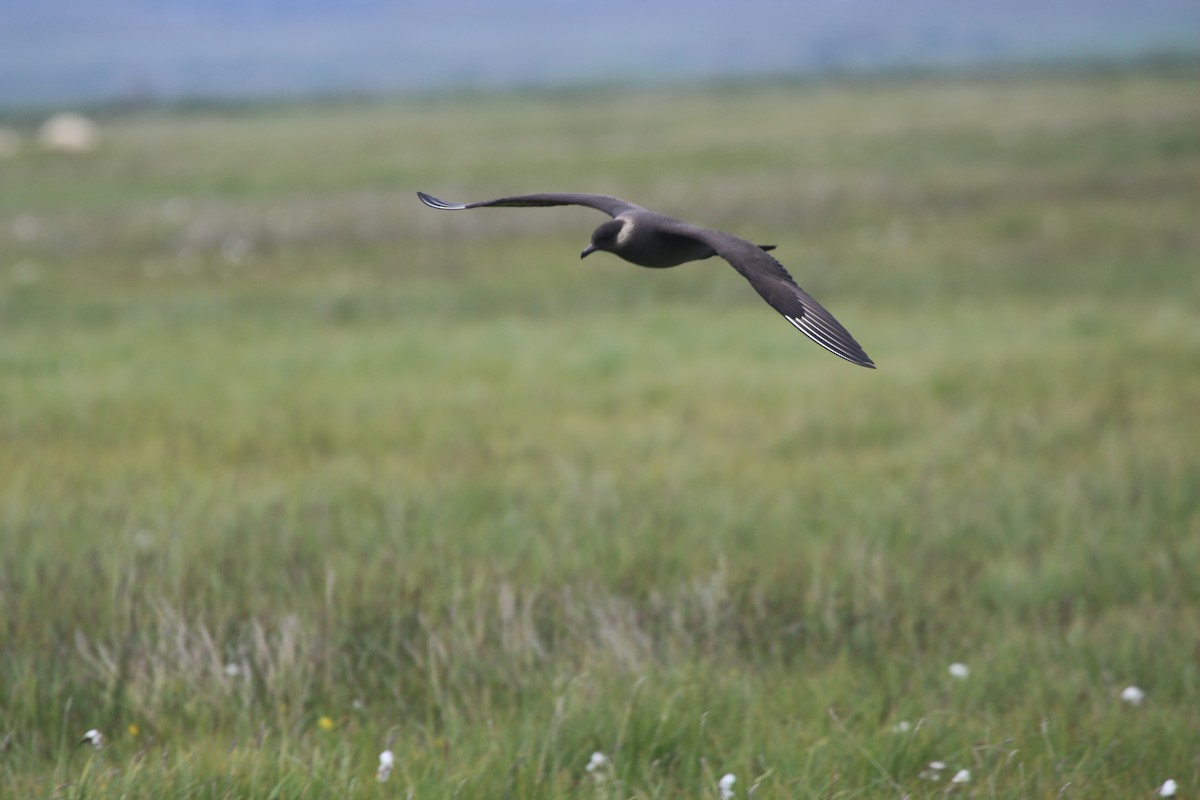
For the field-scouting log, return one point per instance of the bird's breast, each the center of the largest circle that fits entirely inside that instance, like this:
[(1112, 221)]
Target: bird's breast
[(658, 250)]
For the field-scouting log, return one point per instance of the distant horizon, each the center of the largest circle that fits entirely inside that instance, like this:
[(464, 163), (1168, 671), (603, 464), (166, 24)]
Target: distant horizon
[(69, 52), (998, 70)]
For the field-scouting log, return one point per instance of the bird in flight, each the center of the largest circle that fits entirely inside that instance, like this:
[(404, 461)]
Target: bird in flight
[(649, 239)]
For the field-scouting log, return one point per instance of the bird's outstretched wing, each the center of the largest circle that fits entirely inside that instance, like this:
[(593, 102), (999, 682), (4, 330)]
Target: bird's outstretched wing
[(609, 205), (765, 274), (772, 281)]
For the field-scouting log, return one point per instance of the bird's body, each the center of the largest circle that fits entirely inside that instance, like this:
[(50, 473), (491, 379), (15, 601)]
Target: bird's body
[(649, 239), (648, 242)]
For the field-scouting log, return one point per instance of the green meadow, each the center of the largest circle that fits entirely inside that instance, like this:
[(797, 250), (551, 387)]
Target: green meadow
[(294, 470)]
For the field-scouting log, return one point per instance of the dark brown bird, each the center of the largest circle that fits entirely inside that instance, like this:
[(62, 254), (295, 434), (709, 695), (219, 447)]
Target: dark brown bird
[(649, 239)]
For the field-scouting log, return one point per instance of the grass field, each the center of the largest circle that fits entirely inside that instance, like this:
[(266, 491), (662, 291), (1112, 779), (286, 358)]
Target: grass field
[(295, 469)]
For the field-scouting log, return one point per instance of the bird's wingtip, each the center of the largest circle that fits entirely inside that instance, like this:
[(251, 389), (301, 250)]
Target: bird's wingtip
[(859, 357), (434, 202)]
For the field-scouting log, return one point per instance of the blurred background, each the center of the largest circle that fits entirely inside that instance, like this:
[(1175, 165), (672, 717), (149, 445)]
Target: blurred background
[(294, 469), (147, 50)]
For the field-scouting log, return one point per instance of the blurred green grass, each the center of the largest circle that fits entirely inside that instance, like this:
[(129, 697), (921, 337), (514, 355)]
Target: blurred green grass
[(428, 476)]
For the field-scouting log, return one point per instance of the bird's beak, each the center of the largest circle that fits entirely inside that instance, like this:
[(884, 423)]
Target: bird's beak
[(587, 251)]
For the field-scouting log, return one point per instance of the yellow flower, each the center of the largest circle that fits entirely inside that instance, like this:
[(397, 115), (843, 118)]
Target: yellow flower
[(325, 723), (133, 730)]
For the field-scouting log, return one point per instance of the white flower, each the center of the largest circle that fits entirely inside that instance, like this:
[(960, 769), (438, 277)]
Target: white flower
[(1168, 788), (933, 771), (903, 726), (232, 670), (726, 785), (95, 738), (597, 761), (959, 670), (386, 760), (962, 776), (598, 766), (1133, 695)]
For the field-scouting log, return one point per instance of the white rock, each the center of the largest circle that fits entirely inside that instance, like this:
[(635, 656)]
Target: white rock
[(69, 132)]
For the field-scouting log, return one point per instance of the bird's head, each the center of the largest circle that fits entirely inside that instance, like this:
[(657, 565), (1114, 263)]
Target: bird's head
[(604, 238)]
